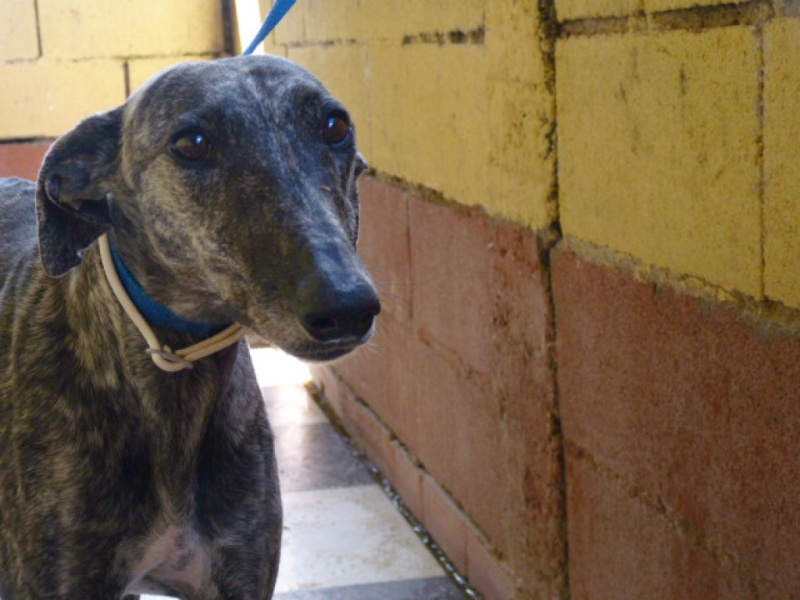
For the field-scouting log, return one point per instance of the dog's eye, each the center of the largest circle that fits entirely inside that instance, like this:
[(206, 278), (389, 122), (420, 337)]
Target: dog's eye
[(192, 145), (336, 129)]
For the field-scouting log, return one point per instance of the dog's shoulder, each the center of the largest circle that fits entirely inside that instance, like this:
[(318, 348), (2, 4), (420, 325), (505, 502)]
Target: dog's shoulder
[(18, 239), (17, 203)]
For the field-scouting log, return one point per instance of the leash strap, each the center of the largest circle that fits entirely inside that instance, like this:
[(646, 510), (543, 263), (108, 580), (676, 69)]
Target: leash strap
[(163, 356), (275, 16)]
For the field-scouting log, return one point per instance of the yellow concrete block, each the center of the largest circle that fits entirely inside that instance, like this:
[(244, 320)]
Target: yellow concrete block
[(142, 69), (430, 122), (389, 20), (408, 115), (343, 70), (661, 5), (97, 28), (18, 38), (464, 106), (520, 114), (782, 173), (658, 153), (521, 161), (513, 43), (49, 97), (588, 9)]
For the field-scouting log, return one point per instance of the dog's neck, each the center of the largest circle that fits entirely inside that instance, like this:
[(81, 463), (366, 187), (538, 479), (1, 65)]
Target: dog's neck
[(156, 313), (163, 356)]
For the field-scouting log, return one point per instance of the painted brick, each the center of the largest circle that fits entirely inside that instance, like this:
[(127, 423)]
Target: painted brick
[(496, 403), (18, 35), (415, 408), (390, 19), (452, 295), (782, 177), (49, 98), (523, 382), (463, 104), (663, 5), (520, 114), (690, 401), (83, 29), (407, 130), (520, 159), (464, 545), (622, 548), (374, 375), (453, 432), (476, 122), (384, 451), (445, 522), (22, 160), (488, 575), (429, 125), (513, 42), (588, 9), (384, 244), (658, 153), (344, 71)]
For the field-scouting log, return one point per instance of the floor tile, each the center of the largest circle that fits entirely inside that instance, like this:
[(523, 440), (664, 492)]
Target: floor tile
[(441, 588), (314, 457), (348, 536), (274, 367), (291, 405)]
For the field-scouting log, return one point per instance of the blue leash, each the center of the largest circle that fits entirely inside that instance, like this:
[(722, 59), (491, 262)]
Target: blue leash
[(279, 10)]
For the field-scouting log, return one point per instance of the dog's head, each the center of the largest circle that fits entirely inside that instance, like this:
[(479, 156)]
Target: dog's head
[(229, 190)]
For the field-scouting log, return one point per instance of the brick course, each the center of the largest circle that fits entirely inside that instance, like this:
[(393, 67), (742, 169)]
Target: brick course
[(473, 408), (690, 402)]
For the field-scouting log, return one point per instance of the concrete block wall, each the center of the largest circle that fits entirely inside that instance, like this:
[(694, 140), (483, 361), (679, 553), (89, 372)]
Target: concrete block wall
[(583, 217)]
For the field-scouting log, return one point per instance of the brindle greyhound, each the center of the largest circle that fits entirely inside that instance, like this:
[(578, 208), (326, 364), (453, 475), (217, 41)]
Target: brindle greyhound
[(226, 191)]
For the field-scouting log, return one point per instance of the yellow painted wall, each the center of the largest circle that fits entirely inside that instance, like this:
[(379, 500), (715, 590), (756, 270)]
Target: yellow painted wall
[(658, 129), (61, 60), (451, 94), (661, 130)]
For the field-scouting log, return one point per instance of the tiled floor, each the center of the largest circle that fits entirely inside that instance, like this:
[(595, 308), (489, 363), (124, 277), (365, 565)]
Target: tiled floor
[(343, 537)]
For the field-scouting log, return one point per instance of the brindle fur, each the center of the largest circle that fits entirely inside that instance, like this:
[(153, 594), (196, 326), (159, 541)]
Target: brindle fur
[(115, 477)]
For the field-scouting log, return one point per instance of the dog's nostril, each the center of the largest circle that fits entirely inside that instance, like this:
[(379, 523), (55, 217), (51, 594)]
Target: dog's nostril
[(341, 324), (321, 325)]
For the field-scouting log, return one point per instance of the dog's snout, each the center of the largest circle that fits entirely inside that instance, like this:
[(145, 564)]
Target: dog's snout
[(332, 315)]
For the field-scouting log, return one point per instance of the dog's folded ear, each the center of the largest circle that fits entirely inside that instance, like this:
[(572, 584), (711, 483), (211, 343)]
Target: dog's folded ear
[(79, 173)]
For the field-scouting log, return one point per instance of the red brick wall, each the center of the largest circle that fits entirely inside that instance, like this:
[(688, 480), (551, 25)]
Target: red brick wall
[(22, 159), (455, 396), (682, 421), (606, 438)]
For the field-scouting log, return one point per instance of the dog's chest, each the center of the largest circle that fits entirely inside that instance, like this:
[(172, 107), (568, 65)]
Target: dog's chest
[(171, 561)]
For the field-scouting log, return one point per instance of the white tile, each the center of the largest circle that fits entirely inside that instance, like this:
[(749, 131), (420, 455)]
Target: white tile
[(291, 405), (274, 367), (347, 536)]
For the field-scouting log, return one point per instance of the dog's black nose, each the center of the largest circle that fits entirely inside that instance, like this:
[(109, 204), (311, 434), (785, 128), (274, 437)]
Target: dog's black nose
[(341, 315)]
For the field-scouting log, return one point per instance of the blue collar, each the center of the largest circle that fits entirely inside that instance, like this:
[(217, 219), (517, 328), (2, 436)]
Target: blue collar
[(156, 313)]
